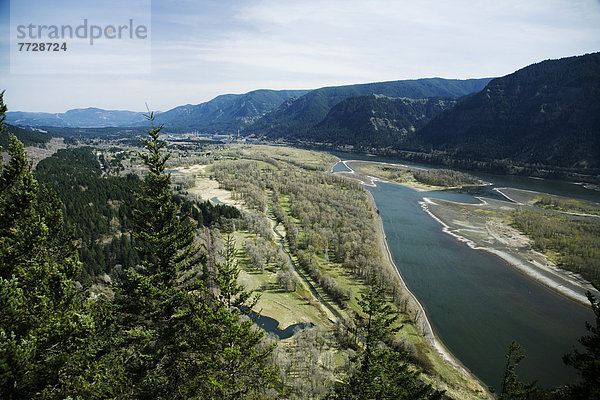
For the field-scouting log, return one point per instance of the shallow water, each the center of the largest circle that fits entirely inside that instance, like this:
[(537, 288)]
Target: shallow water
[(476, 302), (271, 325), (340, 167), (216, 201)]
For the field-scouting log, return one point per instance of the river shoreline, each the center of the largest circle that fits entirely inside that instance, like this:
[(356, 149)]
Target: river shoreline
[(507, 243), (417, 309), (413, 305), (520, 256), (485, 299)]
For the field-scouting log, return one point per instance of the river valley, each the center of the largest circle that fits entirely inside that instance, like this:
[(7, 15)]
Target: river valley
[(476, 302)]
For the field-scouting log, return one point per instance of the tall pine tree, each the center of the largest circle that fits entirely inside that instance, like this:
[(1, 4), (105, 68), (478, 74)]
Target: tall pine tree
[(177, 341), (587, 362), (155, 304), (382, 372), (43, 322)]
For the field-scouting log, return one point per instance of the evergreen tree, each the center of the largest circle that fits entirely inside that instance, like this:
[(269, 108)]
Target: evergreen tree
[(382, 372), (231, 293), (43, 323), (167, 241), (588, 362), (176, 342), (154, 300), (512, 388)]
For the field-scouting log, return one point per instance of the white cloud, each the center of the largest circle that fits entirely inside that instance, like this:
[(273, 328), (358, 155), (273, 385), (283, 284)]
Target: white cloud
[(202, 49)]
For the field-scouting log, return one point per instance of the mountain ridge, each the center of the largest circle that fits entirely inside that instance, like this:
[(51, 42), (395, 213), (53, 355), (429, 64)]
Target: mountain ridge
[(368, 122), (292, 118), (547, 113), (205, 116), (228, 113)]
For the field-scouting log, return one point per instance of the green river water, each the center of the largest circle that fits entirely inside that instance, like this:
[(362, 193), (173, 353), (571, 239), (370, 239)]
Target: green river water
[(476, 302)]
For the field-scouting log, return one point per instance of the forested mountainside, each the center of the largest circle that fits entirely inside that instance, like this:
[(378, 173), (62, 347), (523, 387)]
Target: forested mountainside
[(226, 113), (28, 137), (542, 120), (294, 117), (546, 113), (375, 121)]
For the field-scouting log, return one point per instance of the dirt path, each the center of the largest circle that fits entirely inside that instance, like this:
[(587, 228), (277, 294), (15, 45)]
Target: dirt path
[(328, 309)]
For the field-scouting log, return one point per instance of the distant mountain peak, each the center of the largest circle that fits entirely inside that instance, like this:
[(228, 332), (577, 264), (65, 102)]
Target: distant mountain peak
[(227, 112)]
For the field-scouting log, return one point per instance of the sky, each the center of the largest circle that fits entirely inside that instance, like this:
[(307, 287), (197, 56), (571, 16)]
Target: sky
[(195, 50)]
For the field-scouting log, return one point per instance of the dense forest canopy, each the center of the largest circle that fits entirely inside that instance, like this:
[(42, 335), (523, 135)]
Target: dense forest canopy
[(97, 207), (28, 137), (163, 334)]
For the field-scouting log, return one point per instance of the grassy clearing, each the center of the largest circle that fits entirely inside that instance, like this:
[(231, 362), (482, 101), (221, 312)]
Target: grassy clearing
[(286, 307), (310, 160)]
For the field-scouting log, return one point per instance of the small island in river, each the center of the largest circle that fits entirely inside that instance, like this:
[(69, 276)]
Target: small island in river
[(491, 226), (532, 231), (417, 178)]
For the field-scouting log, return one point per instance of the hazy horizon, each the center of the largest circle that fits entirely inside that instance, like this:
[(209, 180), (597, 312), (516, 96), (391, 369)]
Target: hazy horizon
[(225, 94), (200, 50)]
